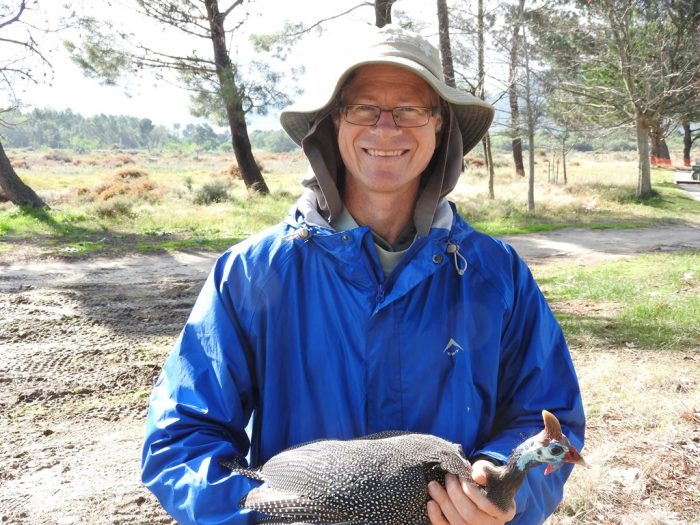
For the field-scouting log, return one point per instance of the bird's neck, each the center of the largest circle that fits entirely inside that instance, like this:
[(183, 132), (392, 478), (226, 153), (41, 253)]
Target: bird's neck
[(504, 481)]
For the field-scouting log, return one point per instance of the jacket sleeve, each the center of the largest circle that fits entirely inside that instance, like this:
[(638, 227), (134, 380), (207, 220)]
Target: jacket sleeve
[(536, 373), (198, 412)]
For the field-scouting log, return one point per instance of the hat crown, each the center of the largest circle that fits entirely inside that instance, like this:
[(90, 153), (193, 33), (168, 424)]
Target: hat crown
[(397, 42)]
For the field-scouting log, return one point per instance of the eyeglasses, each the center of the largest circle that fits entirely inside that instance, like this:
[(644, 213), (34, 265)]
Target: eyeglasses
[(404, 116)]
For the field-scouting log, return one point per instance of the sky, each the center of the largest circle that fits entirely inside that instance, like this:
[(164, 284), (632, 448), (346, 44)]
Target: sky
[(162, 100)]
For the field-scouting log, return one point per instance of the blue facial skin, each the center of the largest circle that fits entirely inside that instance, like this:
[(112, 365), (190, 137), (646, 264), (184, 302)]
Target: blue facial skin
[(533, 452)]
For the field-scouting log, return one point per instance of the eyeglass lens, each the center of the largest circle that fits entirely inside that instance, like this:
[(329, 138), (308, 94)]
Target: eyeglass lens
[(404, 116)]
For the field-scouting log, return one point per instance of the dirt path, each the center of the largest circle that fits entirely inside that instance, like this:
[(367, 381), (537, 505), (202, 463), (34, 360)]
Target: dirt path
[(81, 343)]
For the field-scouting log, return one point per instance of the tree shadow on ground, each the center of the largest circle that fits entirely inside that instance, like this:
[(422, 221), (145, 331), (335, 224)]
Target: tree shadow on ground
[(73, 241), (584, 330)]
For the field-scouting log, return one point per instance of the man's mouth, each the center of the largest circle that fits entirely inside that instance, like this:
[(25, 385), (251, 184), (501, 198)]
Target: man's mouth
[(385, 152)]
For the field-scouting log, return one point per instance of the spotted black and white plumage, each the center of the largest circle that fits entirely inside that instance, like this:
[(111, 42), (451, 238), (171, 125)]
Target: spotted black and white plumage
[(381, 479)]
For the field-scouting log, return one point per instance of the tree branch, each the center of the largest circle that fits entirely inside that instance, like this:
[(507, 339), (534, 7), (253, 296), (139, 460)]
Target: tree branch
[(307, 29), (22, 7), (231, 8)]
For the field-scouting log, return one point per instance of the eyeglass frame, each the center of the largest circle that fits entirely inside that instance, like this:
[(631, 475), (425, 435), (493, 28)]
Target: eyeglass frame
[(434, 110)]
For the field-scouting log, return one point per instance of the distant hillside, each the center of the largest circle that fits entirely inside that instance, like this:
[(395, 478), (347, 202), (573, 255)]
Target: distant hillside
[(47, 128)]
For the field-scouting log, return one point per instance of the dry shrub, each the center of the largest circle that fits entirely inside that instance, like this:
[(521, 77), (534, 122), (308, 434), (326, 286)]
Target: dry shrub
[(20, 164), (132, 183), (233, 171), (131, 173), (475, 162), (121, 160)]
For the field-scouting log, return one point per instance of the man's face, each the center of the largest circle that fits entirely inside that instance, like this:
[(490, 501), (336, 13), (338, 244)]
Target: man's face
[(385, 158)]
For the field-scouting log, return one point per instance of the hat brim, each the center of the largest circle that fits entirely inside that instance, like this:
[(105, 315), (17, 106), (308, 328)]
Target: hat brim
[(474, 116)]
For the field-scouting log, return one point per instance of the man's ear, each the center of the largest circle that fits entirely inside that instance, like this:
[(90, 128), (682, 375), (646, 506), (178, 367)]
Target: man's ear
[(438, 123)]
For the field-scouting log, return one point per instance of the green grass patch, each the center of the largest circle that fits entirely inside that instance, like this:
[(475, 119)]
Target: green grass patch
[(646, 302), (119, 226), (600, 194)]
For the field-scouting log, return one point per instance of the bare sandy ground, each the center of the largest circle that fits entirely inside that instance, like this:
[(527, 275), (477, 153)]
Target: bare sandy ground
[(81, 343)]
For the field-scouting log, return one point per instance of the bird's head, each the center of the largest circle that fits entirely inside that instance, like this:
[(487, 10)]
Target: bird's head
[(550, 447)]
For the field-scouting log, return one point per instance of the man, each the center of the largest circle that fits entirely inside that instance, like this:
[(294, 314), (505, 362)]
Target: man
[(372, 307)]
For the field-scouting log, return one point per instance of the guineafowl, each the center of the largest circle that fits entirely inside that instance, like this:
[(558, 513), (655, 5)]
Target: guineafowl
[(382, 479)]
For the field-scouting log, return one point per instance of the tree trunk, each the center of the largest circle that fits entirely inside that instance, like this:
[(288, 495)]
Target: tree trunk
[(531, 169), (517, 144), (448, 69), (687, 143), (660, 155), (489, 163), (513, 99), (250, 173), (644, 181), (480, 49), (530, 119), (382, 12), (563, 159), (12, 188), (481, 92)]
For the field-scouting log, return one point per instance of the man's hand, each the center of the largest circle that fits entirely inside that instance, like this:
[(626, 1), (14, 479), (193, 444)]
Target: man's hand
[(463, 503)]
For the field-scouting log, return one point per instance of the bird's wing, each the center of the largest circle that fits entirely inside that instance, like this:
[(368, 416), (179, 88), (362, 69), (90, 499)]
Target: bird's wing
[(236, 467), (293, 507)]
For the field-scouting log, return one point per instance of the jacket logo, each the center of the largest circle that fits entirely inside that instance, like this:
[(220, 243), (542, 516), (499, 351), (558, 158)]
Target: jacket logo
[(452, 347)]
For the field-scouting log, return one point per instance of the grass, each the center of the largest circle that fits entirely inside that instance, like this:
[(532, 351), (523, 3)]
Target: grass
[(648, 302), (93, 212), (634, 328), (159, 212), (600, 193)]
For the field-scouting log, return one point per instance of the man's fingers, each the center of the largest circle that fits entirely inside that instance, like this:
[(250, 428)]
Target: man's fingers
[(484, 505), (442, 498), (435, 514), (462, 503), (466, 508)]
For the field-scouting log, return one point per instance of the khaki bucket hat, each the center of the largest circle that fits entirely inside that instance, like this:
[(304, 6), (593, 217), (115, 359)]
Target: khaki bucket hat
[(402, 48)]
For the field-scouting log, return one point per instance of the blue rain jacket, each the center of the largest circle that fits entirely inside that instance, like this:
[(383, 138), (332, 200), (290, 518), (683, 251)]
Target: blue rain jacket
[(298, 328)]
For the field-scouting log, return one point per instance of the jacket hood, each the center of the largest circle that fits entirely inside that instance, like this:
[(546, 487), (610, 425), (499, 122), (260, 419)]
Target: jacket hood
[(324, 180)]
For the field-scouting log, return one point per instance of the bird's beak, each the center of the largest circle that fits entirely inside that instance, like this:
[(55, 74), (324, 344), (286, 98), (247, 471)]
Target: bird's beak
[(572, 456)]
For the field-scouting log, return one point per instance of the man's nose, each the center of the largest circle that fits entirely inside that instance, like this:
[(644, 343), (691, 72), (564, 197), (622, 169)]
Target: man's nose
[(386, 122)]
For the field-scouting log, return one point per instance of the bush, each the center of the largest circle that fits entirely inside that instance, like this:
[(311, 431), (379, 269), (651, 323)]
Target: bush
[(133, 183), (20, 164), (130, 173), (121, 160), (622, 145), (58, 156), (214, 191), (116, 207)]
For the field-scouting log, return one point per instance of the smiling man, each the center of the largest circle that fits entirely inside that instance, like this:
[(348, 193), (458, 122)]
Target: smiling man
[(374, 306)]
